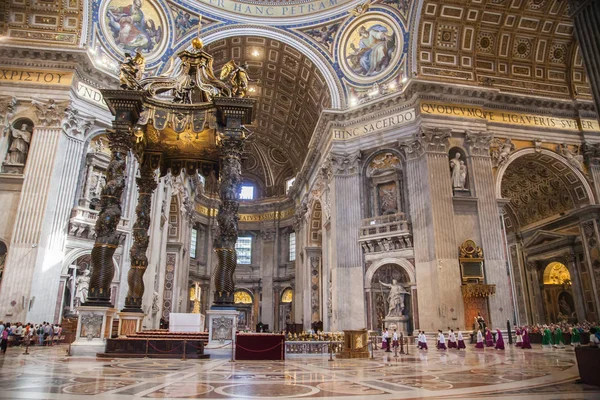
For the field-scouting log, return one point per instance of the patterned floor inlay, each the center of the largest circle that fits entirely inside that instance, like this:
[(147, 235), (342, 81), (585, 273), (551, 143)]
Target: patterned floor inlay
[(48, 374)]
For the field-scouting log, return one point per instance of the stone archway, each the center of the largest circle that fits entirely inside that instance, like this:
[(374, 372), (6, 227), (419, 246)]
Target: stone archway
[(545, 195), (377, 293)]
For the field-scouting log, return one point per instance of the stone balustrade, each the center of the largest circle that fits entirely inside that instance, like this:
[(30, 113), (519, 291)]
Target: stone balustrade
[(385, 233), (83, 222)]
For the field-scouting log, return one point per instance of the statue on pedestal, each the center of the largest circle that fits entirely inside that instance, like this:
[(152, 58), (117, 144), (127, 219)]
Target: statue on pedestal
[(480, 322), (395, 298), (83, 285)]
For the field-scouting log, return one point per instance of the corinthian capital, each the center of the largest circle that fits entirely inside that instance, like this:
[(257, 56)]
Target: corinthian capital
[(412, 149), (344, 164), (591, 154), (49, 112), (433, 139), (479, 143), (76, 125)]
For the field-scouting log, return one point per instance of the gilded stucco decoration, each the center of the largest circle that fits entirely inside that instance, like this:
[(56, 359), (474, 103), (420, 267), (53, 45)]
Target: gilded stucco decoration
[(525, 47), (556, 274), (540, 186), (242, 297), (287, 296), (43, 21)]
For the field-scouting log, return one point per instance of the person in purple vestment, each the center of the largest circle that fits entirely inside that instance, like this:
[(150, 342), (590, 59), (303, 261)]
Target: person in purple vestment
[(499, 340), (526, 343), (489, 340)]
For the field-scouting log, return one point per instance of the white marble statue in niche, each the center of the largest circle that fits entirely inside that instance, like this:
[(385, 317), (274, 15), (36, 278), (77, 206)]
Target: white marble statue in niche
[(16, 157), (458, 170)]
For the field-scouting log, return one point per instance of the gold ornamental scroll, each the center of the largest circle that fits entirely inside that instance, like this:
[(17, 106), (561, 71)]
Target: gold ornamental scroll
[(507, 117), (268, 216), (478, 290), (39, 77)]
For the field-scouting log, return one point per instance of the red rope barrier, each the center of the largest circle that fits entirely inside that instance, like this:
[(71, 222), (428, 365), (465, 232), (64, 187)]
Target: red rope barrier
[(164, 351), (259, 351)]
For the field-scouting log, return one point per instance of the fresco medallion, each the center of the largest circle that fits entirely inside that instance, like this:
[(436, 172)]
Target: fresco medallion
[(132, 25), (371, 47)]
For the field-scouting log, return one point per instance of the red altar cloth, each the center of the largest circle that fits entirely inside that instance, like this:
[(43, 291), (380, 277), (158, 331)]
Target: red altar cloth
[(259, 346)]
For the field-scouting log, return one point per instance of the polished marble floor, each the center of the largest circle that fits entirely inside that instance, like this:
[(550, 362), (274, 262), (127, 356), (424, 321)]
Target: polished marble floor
[(48, 373)]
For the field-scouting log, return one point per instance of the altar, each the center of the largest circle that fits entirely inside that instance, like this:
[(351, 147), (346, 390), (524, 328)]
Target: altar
[(186, 322), (259, 346)]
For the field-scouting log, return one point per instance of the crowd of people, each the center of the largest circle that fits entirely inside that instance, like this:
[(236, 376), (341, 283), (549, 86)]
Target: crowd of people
[(18, 333), (552, 336)]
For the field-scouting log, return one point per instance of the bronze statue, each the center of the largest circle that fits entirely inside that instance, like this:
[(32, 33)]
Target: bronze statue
[(237, 77), (132, 71)]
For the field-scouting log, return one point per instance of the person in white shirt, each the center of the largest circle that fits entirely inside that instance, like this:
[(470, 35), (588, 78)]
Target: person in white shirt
[(479, 344), (461, 340), (385, 343), (423, 341), (441, 341), (451, 339), (395, 340)]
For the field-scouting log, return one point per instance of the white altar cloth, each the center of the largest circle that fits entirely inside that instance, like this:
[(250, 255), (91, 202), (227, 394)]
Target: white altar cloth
[(179, 322)]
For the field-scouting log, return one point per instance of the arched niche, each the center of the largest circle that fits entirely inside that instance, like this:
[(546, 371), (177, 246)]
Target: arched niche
[(556, 273), (558, 293), (286, 298), (385, 187), (459, 171), (387, 271), (19, 137), (244, 304)]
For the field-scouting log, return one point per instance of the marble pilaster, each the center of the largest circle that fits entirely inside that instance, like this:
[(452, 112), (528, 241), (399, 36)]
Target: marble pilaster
[(436, 253), (571, 259), (46, 199), (269, 262), (496, 267), (591, 152), (347, 264), (590, 236)]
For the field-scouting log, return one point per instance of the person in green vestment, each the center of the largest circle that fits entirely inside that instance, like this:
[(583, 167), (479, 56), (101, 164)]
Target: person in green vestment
[(575, 336), (547, 338), (558, 338)]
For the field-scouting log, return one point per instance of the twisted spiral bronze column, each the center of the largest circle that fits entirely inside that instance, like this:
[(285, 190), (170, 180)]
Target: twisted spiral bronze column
[(146, 184), (107, 237), (231, 148)]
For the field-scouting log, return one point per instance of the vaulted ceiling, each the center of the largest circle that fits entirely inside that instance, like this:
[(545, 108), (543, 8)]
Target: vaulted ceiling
[(516, 45), (539, 187), (290, 93)]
